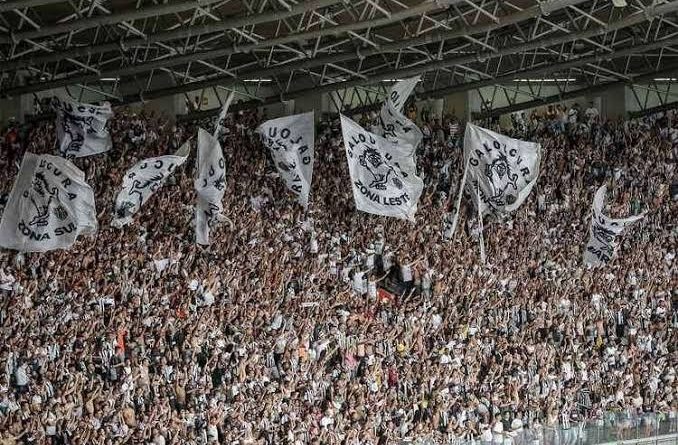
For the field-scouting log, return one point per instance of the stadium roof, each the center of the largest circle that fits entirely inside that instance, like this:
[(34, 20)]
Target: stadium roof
[(139, 50)]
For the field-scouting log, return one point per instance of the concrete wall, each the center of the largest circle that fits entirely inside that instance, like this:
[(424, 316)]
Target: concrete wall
[(457, 105)]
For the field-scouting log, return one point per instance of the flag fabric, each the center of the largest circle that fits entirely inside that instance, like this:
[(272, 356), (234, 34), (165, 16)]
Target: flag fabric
[(401, 91), (393, 124), (291, 140), (142, 181), (221, 119), (604, 231), (504, 170), (49, 206), (210, 184), (81, 128), (384, 181), (398, 129)]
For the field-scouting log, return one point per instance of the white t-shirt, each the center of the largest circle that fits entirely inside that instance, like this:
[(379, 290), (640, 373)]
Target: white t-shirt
[(388, 260), (372, 289), (591, 113), (572, 115), (358, 278), (406, 272), (21, 376)]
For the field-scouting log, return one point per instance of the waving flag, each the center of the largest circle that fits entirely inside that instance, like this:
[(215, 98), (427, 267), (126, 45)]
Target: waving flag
[(210, 185), (291, 140), (384, 181), (502, 169), (221, 119), (142, 181), (604, 232), (49, 206), (394, 125), (81, 128)]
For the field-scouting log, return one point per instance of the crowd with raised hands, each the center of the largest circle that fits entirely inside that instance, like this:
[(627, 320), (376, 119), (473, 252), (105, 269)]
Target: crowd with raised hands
[(330, 326)]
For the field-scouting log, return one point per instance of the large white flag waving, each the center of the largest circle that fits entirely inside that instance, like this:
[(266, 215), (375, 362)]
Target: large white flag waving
[(142, 181), (81, 128), (393, 124), (291, 141), (401, 91), (210, 184), (604, 231), (48, 207), (501, 171), (221, 119), (384, 182)]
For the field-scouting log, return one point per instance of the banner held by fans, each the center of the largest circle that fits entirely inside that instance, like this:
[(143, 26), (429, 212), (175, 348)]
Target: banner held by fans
[(399, 130), (210, 184), (291, 140), (604, 231), (504, 169), (81, 128), (401, 91), (142, 181), (49, 206), (393, 124), (384, 182)]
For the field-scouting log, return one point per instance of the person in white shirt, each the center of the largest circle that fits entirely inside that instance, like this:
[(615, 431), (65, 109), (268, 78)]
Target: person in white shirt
[(591, 113)]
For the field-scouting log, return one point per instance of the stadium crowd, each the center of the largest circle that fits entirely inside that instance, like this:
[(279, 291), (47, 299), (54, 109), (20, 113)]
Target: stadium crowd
[(331, 326)]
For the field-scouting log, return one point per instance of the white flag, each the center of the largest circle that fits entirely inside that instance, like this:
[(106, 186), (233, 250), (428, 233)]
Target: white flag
[(398, 129), (503, 169), (142, 181), (210, 184), (81, 128), (291, 140), (48, 207), (401, 91), (393, 124), (221, 119), (384, 182), (604, 231)]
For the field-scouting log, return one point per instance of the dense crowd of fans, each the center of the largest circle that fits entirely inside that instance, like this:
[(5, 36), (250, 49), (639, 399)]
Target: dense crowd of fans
[(331, 326)]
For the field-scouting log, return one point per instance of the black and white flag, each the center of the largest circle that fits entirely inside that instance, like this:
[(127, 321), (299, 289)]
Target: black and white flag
[(604, 231), (49, 206), (221, 119), (210, 184), (393, 124), (401, 91), (142, 181), (501, 171), (384, 181), (81, 128), (291, 140)]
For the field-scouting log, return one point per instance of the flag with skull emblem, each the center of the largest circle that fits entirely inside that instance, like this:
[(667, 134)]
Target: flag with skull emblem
[(210, 184), (142, 180), (48, 207), (604, 232), (291, 140), (384, 181), (501, 171)]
